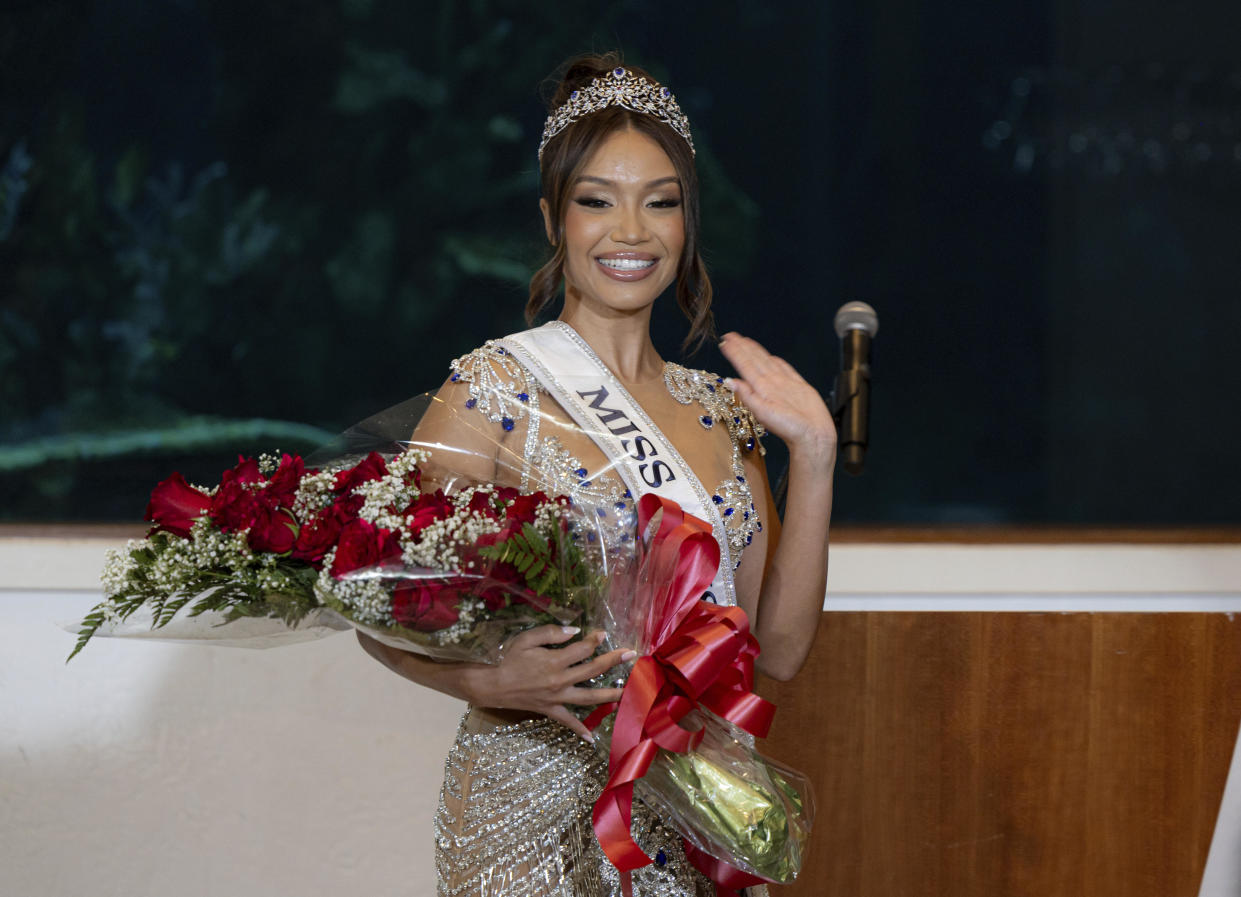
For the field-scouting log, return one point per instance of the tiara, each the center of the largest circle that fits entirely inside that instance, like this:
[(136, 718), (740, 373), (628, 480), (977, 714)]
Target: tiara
[(620, 87)]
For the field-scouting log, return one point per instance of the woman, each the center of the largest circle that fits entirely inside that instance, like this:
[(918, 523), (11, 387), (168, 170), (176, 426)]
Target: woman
[(620, 208)]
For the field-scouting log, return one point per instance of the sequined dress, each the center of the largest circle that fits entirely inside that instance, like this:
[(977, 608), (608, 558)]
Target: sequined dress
[(514, 816)]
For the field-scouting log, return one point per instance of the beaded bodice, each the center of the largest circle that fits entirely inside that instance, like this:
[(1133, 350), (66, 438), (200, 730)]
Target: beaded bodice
[(498, 387)]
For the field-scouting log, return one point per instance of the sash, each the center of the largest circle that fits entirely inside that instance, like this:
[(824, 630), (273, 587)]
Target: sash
[(570, 371)]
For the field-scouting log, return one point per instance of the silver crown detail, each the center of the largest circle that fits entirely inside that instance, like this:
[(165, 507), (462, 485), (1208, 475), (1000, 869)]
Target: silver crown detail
[(620, 87)]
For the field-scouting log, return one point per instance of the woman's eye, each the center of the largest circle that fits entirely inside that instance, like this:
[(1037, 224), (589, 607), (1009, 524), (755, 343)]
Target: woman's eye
[(665, 203), (591, 202)]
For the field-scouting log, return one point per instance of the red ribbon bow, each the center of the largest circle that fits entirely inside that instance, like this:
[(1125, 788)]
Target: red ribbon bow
[(701, 654)]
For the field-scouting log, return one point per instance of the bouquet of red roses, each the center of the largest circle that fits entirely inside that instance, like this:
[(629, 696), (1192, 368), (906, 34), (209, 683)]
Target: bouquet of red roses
[(448, 575), (385, 533)]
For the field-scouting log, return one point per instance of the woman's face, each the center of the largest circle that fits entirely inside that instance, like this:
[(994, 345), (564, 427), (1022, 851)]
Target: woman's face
[(623, 226)]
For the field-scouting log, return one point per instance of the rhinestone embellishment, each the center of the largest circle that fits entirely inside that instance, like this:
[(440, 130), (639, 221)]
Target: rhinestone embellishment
[(625, 89)]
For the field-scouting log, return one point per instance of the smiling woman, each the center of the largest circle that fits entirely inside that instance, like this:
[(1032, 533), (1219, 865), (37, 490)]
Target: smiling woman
[(620, 208), (575, 174)]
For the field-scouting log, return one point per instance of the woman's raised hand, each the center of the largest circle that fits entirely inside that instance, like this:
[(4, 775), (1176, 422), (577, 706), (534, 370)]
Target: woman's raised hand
[(779, 397), (536, 675)]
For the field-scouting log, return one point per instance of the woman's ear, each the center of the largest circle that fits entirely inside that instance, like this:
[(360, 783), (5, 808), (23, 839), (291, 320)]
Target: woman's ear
[(547, 220)]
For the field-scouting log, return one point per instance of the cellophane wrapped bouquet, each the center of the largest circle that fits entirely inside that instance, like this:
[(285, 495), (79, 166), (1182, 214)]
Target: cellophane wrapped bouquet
[(449, 550)]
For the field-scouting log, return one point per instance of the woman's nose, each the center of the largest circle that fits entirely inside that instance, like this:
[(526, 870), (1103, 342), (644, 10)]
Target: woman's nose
[(630, 227)]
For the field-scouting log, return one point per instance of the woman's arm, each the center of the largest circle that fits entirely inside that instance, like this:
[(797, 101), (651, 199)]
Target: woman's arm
[(538, 670), (534, 674), (786, 606)]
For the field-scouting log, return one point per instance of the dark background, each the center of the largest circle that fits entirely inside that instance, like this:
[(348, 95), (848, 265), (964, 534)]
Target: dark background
[(232, 226)]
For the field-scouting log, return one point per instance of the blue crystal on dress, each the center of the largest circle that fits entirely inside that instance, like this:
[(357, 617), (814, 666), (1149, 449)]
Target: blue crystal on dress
[(728, 512), (618, 72), (575, 94), (523, 397), (581, 471), (506, 423), (717, 499), (471, 402), (740, 479), (707, 421), (454, 378), (661, 859)]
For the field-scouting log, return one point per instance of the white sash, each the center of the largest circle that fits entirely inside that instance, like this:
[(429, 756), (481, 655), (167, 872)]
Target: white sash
[(571, 372)]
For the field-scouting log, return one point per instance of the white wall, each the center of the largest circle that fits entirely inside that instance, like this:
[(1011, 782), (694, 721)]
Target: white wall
[(152, 769), (149, 770)]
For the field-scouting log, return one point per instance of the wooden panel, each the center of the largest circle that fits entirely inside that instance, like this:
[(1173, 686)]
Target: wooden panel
[(1024, 755)]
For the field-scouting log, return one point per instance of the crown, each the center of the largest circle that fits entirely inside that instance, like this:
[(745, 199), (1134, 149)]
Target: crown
[(620, 87)]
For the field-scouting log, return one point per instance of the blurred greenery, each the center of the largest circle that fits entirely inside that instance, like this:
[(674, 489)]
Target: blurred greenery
[(234, 227), (354, 205)]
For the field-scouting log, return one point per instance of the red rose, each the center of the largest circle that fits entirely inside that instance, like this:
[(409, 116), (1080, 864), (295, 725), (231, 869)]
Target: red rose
[(274, 530), (363, 544), (502, 585), (523, 507), (427, 606), (317, 536), (246, 471), (282, 487), (372, 467), (429, 507), (175, 505), (235, 506), (346, 507), (482, 502)]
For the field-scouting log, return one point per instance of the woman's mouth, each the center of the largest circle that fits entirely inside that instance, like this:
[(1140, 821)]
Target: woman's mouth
[(627, 269)]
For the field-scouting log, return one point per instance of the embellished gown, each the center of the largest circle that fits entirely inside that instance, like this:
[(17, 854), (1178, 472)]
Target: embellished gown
[(514, 816)]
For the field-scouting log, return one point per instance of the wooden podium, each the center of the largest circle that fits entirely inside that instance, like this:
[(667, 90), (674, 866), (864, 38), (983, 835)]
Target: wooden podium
[(998, 754)]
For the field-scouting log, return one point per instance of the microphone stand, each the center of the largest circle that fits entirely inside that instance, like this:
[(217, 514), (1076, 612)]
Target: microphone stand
[(849, 404)]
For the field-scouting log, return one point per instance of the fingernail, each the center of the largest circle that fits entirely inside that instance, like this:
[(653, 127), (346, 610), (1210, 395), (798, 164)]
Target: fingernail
[(728, 381), (589, 738), (570, 630), (628, 656)]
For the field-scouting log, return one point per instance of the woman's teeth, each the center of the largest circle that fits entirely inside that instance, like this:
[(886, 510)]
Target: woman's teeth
[(627, 264)]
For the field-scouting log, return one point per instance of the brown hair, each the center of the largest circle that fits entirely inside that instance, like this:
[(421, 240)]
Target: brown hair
[(566, 154)]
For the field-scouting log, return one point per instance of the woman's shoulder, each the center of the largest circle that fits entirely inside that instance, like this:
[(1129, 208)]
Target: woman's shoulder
[(496, 383), (718, 401)]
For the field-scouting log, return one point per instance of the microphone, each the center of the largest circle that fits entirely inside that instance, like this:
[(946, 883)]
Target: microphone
[(856, 325)]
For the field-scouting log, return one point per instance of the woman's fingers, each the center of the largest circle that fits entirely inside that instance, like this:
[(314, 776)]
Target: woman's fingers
[(550, 634), (601, 664), (561, 715), (587, 697), (746, 355)]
